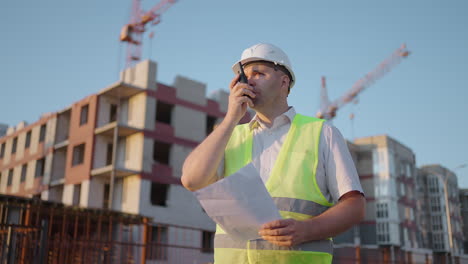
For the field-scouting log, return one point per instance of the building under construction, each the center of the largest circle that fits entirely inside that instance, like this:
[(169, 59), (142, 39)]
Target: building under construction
[(405, 220)]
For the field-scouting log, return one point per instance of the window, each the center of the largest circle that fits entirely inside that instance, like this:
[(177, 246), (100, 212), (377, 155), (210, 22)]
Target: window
[(78, 154), (13, 147), (106, 195), (382, 210), (2, 150), (163, 112), (40, 164), (113, 113), (159, 193), (10, 177), (161, 152), (28, 140), (207, 242), (158, 243), (436, 223), (76, 194), (84, 115), (210, 124), (409, 170), (42, 133), (109, 150), (23, 172), (435, 204), (402, 188), (383, 234)]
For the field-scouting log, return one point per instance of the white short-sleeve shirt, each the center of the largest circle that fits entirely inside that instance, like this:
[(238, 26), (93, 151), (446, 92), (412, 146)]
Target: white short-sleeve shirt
[(336, 173)]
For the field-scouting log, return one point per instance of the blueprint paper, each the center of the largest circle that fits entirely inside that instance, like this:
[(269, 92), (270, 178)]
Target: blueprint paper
[(240, 203)]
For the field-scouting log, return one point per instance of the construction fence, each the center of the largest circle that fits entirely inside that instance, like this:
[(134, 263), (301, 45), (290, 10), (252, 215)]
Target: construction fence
[(38, 232)]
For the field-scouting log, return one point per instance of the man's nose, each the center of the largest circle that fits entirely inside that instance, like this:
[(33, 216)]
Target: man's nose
[(251, 81)]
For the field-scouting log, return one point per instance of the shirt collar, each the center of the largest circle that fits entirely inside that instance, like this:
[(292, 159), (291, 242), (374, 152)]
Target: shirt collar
[(289, 114)]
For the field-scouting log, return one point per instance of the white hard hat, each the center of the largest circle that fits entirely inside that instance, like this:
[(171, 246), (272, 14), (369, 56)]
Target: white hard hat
[(265, 52)]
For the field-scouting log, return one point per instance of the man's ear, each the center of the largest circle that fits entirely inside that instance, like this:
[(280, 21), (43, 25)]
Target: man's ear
[(285, 82)]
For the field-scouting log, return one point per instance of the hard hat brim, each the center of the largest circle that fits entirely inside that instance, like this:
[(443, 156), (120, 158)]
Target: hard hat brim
[(236, 67)]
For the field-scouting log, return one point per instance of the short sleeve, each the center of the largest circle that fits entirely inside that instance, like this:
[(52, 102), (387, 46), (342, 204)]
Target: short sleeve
[(336, 173)]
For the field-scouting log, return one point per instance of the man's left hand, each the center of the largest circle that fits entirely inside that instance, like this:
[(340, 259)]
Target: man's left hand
[(284, 232)]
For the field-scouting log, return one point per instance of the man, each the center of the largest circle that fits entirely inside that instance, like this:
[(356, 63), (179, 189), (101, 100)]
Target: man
[(304, 163)]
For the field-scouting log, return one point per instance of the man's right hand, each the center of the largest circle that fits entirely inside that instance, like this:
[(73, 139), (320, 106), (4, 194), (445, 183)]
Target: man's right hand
[(200, 167), (241, 96)]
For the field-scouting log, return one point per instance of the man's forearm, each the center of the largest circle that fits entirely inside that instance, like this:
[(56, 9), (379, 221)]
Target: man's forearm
[(289, 232), (200, 167), (339, 218)]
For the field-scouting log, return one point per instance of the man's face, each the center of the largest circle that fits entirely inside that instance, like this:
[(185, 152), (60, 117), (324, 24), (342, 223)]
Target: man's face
[(269, 84)]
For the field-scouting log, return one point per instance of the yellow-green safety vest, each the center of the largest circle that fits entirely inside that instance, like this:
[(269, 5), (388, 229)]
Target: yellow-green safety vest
[(293, 187)]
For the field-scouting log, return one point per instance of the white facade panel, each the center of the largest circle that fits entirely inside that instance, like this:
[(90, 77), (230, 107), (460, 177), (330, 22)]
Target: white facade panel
[(142, 75), (136, 110), (30, 174), (147, 152), (180, 204), (68, 194), (150, 113), (178, 155), (189, 124), (3, 181), (190, 90), (34, 140), (134, 151), (20, 146), (16, 179), (131, 192), (7, 155)]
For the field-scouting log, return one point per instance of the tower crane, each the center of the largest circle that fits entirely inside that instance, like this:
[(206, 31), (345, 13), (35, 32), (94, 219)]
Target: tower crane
[(328, 109), (132, 33)]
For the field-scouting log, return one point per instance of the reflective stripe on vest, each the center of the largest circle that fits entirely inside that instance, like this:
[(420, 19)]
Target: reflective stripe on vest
[(299, 206), (294, 190), (225, 241)]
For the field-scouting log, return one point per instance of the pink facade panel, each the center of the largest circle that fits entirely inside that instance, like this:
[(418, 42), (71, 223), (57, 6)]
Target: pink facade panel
[(81, 138)]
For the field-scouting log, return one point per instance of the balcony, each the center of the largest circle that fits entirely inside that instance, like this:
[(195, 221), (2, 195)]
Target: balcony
[(121, 90), (62, 144), (123, 131), (107, 171)]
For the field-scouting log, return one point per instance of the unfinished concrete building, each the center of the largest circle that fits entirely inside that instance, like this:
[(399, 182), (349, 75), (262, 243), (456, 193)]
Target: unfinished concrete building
[(445, 231), (123, 149), (389, 232), (405, 220)]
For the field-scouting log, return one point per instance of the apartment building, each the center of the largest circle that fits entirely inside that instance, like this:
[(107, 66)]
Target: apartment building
[(123, 149), (389, 233), (3, 129), (443, 212), (464, 214)]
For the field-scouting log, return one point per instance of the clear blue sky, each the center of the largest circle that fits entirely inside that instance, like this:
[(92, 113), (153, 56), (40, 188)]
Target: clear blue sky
[(54, 53)]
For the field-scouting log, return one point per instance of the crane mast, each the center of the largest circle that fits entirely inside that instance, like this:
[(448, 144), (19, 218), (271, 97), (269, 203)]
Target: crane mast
[(328, 110), (132, 33)]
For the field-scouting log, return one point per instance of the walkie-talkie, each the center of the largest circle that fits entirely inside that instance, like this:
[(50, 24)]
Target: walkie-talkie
[(242, 78)]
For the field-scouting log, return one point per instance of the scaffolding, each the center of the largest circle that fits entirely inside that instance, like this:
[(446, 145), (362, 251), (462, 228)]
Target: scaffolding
[(38, 232)]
